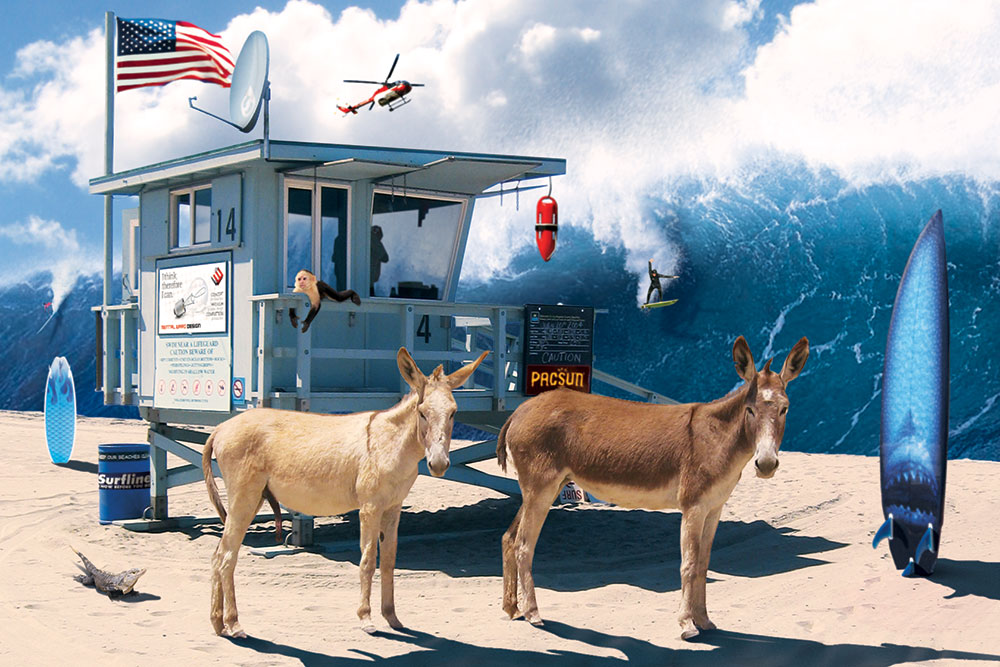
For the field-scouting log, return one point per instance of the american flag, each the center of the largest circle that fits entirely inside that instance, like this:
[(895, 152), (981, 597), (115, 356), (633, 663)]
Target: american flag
[(154, 52)]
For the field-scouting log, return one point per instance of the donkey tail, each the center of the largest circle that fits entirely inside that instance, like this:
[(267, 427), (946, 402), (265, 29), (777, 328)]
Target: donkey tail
[(502, 445), (213, 490)]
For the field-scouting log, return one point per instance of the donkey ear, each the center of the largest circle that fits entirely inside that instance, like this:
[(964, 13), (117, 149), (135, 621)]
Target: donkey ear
[(743, 360), (458, 378), (795, 361), (408, 369)]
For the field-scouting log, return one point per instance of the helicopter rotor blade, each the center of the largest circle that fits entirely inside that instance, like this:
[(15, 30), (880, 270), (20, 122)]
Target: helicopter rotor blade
[(392, 69), (416, 85), (372, 105), (377, 83)]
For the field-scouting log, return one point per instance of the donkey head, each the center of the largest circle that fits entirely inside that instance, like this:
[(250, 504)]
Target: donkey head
[(436, 406), (766, 402)]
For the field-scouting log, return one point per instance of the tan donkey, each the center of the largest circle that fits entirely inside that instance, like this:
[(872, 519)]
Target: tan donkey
[(322, 465), (642, 455)]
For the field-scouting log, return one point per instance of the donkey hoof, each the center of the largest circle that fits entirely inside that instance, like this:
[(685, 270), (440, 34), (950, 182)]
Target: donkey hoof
[(236, 632), (689, 626), (369, 628), (705, 624), (393, 622), (534, 619)]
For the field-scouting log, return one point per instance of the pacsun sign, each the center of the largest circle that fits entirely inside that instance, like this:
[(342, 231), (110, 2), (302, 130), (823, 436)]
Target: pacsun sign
[(559, 347)]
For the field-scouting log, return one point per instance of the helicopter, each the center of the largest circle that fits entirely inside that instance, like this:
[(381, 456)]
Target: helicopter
[(394, 90)]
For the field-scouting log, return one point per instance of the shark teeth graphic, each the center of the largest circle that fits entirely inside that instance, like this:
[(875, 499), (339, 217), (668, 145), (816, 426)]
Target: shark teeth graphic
[(911, 516)]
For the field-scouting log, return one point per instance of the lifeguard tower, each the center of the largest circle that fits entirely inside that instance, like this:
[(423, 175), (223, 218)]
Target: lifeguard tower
[(209, 259)]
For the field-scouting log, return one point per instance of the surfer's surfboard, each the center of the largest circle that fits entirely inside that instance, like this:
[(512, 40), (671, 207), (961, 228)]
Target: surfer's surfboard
[(60, 410), (913, 446), (659, 304)]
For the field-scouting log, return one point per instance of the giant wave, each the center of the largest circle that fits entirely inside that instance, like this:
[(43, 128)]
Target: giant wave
[(776, 255)]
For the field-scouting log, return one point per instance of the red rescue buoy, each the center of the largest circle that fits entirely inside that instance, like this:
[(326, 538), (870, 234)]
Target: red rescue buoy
[(546, 226)]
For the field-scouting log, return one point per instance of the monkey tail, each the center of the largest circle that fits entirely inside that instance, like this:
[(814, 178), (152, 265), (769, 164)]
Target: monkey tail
[(206, 466)]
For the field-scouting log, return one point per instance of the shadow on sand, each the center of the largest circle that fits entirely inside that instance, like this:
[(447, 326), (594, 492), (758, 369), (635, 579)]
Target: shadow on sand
[(728, 648), (605, 545), (80, 466), (968, 577)]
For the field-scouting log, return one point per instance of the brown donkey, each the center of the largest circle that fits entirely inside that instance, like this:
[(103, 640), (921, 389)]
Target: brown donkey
[(687, 457), (330, 464)]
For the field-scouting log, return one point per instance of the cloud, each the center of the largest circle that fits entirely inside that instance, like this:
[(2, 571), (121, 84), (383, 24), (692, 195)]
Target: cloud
[(877, 89), (633, 94), (616, 88), (736, 14), (54, 111), (48, 234)]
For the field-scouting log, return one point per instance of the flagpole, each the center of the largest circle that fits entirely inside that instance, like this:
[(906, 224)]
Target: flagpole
[(109, 148), (109, 167)]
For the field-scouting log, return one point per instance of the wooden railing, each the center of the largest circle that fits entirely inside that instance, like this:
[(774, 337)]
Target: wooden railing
[(483, 325), (117, 334)]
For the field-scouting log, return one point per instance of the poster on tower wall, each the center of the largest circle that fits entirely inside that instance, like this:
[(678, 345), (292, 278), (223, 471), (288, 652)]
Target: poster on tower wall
[(193, 350), (192, 299)]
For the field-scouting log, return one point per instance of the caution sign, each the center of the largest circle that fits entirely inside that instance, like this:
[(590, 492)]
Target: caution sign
[(559, 348), (192, 373)]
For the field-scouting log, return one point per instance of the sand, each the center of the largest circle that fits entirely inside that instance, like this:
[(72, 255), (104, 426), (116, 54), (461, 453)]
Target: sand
[(793, 578)]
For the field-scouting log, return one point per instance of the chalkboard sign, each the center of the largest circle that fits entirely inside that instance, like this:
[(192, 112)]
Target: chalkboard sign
[(559, 347)]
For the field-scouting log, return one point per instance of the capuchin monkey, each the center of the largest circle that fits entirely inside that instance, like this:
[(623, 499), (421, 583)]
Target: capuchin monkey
[(306, 283)]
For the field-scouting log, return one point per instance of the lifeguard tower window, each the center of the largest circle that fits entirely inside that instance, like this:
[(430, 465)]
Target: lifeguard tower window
[(190, 224), (316, 232), (413, 244)]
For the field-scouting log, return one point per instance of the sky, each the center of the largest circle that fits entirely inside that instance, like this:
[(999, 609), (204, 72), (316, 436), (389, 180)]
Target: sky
[(634, 94)]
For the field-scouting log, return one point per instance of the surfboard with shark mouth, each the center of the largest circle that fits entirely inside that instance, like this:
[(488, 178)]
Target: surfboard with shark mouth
[(914, 437)]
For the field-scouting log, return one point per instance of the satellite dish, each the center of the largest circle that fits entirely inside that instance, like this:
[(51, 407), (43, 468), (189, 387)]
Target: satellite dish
[(249, 87), (249, 82)]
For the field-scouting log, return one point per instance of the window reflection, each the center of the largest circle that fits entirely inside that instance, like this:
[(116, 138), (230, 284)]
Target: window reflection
[(412, 245), (299, 233), (333, 236), (183, 221), (191, 224), (202, 215)]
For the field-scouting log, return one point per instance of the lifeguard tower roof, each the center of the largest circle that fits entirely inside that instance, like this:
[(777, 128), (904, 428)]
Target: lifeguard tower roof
[(456, 172)]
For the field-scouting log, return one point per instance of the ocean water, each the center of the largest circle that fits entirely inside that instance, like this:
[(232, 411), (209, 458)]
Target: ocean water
[(783, 253)]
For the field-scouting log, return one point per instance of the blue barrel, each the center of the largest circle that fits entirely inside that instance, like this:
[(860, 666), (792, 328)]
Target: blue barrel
[(122, 481)]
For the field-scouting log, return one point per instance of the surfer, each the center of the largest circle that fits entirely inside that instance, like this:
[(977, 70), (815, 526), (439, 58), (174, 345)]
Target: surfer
[(654, 283)]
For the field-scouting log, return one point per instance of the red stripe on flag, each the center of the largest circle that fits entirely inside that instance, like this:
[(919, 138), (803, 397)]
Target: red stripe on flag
[(222, 82), (199, 55)]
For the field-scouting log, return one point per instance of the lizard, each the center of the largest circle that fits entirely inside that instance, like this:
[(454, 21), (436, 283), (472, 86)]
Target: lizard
[(114, 585)]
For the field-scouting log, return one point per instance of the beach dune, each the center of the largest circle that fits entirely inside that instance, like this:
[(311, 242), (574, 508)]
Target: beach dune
[(793, 578)]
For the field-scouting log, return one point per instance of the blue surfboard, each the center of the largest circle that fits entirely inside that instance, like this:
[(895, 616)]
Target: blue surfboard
[(913, 446), (60, 410)]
